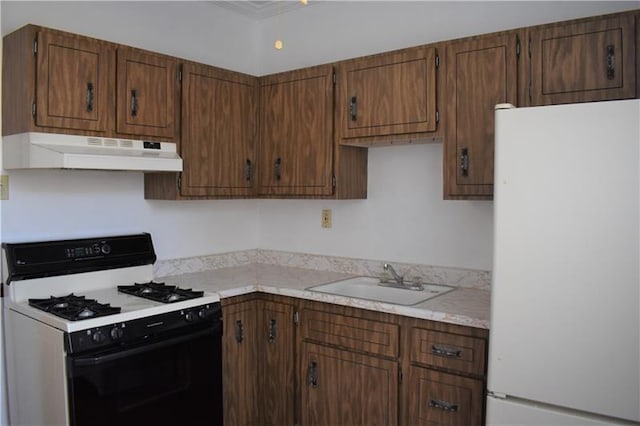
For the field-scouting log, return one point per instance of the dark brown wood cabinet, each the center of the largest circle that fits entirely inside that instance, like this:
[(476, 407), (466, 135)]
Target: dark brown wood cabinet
[(258, 351), (387, 94), (219, 131), (590, 60), (296, 133), (148, 90), (347, 388), (480, 72), (441, 399), (55, 81)]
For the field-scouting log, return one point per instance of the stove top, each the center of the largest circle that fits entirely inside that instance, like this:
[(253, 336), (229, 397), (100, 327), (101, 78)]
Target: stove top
[(159, 292), (74, 308)]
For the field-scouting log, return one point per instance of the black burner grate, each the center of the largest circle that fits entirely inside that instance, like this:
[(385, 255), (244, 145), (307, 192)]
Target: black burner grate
[(74, 308), (159, 292)]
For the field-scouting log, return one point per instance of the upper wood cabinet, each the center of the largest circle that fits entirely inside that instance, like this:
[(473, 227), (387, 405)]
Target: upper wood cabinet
[(57, 82), (72, 79), (219, 131), (147, 93), (591, 60), (296, 133), (480, 72), (387, 94)]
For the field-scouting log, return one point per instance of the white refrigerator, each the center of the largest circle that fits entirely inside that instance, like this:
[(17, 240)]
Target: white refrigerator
[(564, 343)]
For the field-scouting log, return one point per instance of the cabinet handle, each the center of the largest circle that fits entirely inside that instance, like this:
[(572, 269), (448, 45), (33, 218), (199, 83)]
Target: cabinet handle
[(89, 97), (353, 108), (313, 374), (278, 167), (248, 171), (272, 330), (446, 352), (464, 162), (134, 103), (239, 331), (443, 405), (611, 62)]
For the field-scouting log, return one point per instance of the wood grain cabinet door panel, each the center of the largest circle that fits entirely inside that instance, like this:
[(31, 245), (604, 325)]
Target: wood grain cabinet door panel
[(344, 388), (388, 94), (440, 399), (72, 82), (296, 128), (219, 130), (583, 62), (480, 74), (147, 92)]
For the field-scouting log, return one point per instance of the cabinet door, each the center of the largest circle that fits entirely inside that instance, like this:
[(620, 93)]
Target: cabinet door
[(480, 74), (240, 349), (439, 399), (583, 62), (73, 82), (147, 92), (219, 125), (388, 94), (296, 128), (345, 388), (277, 393)]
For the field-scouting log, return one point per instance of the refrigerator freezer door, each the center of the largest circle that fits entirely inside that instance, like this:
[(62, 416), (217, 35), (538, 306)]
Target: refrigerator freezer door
[(565, 320), (502, 412)]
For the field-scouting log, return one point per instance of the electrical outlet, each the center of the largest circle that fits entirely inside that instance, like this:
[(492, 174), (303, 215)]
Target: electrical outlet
[(4, 187), (326, 218)]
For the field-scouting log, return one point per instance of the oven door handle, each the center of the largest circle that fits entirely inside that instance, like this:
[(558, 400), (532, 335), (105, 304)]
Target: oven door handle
[(87, 361)]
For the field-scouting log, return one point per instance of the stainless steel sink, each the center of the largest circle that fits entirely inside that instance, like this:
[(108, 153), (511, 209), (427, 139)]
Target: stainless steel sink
[(368, 288)]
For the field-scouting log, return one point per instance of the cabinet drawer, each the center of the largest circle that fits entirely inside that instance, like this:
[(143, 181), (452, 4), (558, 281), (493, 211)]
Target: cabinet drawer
[(444, 399), (450, 351), (359, 334)]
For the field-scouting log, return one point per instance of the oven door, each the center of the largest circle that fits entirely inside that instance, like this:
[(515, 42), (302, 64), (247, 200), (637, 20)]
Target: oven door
[(170, 381)]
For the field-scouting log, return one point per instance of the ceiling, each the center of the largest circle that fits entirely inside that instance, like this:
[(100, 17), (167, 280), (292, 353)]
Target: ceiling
[(258, 10)]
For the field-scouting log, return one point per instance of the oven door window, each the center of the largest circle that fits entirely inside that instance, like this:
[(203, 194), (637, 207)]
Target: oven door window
[(175, 381)]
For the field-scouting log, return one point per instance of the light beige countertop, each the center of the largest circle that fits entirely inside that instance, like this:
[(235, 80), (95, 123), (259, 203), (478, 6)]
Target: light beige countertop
[(462, 306)]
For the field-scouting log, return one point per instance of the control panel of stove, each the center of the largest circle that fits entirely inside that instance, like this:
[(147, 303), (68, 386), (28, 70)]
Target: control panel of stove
[(97, 249)]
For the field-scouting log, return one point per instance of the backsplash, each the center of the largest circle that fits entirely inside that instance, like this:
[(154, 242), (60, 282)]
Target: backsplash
[(456, 277)]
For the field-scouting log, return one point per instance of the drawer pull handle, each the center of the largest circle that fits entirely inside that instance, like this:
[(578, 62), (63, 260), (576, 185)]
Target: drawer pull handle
[(446, 352), (272, 330), (464, 162), (248, 171), (611, 62), (239, 331), (134, 103), (89, 97), (313, 374), (278, 168), (353, 108), (443, 405)]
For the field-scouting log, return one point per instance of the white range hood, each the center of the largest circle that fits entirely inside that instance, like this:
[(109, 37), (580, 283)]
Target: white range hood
[(56, 151)]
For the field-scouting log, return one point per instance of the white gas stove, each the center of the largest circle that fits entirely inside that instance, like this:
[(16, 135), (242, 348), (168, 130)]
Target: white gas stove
[(87, 329)]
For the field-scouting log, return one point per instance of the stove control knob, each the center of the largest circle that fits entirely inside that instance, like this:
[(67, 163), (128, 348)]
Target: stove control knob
[(98, 337), (116, 333), (190, 316), (202, 313), (106, 248)]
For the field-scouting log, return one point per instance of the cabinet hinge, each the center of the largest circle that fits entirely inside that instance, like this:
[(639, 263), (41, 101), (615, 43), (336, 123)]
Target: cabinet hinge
[(437, 61), (518, 49), (333, 181), (437, 116), (33, 109), (334, 78), (529, 47), (529, 91), (296, 317), (179, 183), (400, 375), (35, 46), (179, 75)]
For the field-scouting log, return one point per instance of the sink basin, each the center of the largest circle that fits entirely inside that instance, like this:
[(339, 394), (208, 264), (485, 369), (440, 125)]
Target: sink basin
[(368, 288)]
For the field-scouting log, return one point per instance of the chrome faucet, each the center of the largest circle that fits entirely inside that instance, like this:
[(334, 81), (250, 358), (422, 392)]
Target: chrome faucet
[(388, 268)]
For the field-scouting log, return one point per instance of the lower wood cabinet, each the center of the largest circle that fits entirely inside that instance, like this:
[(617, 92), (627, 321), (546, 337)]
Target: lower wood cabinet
[(346, 388), (289, 361)]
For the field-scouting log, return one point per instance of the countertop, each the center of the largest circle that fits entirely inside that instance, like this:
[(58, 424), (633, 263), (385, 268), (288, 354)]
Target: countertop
[(462, 306)]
